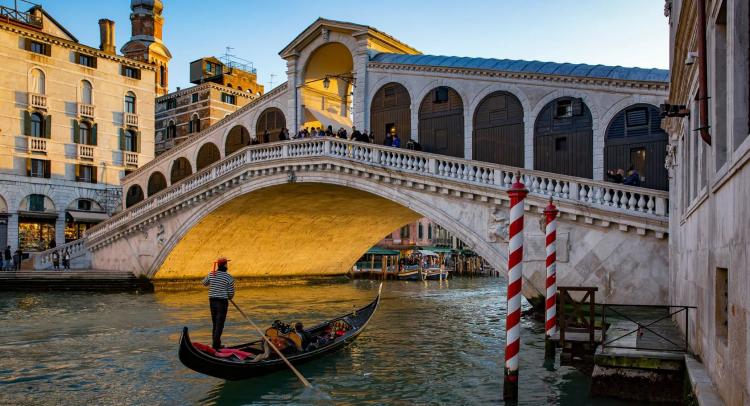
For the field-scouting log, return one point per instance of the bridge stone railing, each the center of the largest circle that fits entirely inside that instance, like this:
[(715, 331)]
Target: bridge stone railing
[(43, 259), (621, 199)]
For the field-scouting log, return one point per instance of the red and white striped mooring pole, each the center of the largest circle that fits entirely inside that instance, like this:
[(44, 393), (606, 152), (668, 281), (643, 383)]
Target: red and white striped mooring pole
[(550, 304), (517, 194)]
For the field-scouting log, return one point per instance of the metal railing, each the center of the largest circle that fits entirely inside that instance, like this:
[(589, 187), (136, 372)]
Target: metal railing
[(9, 13), (654, 327)]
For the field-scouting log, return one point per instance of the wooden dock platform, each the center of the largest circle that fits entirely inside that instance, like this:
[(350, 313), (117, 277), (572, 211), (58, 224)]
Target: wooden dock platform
[(73, 280)]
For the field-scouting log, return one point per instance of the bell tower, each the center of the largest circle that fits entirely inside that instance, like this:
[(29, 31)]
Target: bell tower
[(146, 40)]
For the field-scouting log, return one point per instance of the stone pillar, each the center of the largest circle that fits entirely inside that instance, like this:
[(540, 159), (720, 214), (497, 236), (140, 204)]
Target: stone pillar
[(12, 231), (293, 110), (360, 116), (528, 141), (598, 152), (414, 118), (60, 229), (468, 133)]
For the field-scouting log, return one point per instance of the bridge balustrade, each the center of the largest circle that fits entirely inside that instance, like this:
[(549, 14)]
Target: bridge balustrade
[(609, 196)]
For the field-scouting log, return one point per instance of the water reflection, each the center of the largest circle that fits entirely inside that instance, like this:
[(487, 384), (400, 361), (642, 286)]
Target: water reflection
[(429, 343)]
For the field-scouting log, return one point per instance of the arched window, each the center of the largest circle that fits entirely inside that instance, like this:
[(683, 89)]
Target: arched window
[(86, 92), (162, 76), (441, 122), (239, 88), (237, 138), (171, 130), (194, 124), (180, 169), (156, 183), (130, 102), (271, 120), (134, 195), (207, 154), (84, 133), (498, 130), (390, 108), (563, 138), (37, 125), (36, 81)]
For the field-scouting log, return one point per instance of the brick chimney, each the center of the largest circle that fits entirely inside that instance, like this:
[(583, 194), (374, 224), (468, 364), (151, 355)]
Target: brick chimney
[(107, 36)]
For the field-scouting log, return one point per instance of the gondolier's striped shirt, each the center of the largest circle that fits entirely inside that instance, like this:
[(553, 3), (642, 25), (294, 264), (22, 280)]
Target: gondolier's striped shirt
[(220, 285)]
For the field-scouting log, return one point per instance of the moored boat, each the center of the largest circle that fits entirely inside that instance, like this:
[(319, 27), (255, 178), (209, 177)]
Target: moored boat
[(234, 368)]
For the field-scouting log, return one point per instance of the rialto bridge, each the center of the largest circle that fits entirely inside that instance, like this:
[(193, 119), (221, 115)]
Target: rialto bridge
[(313, 206)]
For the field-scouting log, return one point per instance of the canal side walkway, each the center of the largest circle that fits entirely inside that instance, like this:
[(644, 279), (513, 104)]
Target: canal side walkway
[(73, 280)]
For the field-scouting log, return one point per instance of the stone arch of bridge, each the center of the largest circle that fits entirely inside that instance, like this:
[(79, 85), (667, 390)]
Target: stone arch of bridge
[(276, 228)]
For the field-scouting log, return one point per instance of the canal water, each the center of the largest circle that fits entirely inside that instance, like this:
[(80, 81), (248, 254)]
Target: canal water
[(428, 343)]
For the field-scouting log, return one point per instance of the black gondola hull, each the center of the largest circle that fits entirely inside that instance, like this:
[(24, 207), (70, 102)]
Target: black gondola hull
[(232, 370)]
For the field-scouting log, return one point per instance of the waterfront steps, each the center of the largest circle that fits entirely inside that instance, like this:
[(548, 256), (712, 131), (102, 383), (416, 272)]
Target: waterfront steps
[(73, 280)]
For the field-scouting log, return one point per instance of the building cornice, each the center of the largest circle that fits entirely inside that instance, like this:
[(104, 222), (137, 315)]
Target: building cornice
[(203, 86), (75, 46), (630, 84)]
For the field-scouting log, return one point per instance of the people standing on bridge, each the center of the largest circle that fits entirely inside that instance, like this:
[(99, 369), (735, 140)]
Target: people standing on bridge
[(396, 141), (388, 139), (17, 256), (329, 131), (616, 176), (56, 260), (266, 137), (220, 291), (66, 259)]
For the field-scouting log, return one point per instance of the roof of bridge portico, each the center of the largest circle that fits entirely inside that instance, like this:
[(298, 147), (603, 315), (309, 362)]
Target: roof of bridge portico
[(377, 40)]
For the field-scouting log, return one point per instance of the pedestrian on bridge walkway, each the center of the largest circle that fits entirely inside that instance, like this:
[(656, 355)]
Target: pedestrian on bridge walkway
[(220, 291)]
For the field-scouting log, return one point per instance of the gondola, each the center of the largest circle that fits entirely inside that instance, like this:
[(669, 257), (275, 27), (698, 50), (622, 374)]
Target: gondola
[(234, 369)]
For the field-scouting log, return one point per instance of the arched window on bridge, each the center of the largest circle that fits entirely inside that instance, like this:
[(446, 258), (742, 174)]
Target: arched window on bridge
[(441, 123), (237, 138), (563, 138), (156, 183), (133, 196), (635, 138), (498, 130), (207, 154), (271, 120), (181, 169), (390, 108)]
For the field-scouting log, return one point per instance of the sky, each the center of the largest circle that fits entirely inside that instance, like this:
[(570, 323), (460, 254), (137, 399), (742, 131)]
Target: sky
[(609, 32)]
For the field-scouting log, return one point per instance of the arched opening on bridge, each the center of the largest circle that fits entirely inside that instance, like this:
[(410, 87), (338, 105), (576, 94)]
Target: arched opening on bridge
[(156, 183), (326, 93), (390, 109), (181, 169), (563, 138), (207, 154), (237, 138), (134, 195), (635, 139), (441, 122), (270, 123), (498, 130), (292, 229)]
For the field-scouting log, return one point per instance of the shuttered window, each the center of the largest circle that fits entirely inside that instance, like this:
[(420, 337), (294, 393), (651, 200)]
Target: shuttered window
[(37, 47), (131, 72), (38, 168), (86, 173), (85, 60), (36, 203)]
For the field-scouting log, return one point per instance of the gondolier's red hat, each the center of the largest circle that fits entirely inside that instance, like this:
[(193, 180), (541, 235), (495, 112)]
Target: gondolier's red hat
[(222, 260)]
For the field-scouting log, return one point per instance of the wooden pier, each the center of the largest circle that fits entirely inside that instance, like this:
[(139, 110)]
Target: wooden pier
[(73, 280)]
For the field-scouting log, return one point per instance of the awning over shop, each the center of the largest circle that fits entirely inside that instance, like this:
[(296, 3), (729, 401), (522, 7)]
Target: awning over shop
[(41, 215), (439, 250), (381, 251), (427, 253), (87, 216)]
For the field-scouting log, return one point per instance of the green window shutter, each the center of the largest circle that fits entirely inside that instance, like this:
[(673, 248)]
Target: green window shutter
[(138, 141), (76, 132), (28, 166), (93, 174), (93, 135), (93, 62), (27, 44), (122, 139), (26, 122), (47, 169), (48, 126), (47, 49), (137, 73)]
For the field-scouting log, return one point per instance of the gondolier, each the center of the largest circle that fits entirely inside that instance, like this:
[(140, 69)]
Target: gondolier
[(220, 291)]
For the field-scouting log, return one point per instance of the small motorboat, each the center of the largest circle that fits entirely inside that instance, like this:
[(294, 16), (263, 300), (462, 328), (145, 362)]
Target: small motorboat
[(435, 274), (347, 328), (410, 275)]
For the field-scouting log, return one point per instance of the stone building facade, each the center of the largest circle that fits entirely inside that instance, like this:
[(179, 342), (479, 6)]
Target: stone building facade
[(75, 119), (709, 237), (221, 87)]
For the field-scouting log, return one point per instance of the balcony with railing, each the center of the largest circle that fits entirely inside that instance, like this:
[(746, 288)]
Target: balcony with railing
[(38, 101), (85, 110), (130, 158), (37, 145), (131, 119), (85, 152)]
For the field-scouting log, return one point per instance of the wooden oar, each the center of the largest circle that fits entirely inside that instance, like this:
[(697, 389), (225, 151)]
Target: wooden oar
[(289, 364)]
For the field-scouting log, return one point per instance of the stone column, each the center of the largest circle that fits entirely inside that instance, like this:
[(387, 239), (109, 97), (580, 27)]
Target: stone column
[(60, 229), (528, 141), (361, 104), (468, 133), (598, 152), (293, 110), (12, 231)]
